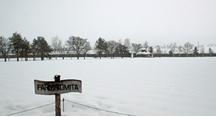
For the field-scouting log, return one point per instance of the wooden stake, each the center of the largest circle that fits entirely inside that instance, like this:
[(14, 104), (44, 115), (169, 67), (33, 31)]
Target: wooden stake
[(57, 98)]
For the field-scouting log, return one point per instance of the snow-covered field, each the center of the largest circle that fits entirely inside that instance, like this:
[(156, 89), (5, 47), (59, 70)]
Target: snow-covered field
[(137, 86)]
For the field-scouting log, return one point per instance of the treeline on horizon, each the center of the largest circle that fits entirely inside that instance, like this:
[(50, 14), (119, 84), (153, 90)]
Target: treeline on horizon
[(18, 47)]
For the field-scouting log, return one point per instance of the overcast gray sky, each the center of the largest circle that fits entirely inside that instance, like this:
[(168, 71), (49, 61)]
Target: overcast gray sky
[(157, 21)]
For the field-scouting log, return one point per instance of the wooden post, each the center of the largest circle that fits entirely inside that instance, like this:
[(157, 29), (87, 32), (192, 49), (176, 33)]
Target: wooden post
[(57, 98)]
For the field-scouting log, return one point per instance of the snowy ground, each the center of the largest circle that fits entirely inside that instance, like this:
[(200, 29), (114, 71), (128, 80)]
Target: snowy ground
[(137, 86)]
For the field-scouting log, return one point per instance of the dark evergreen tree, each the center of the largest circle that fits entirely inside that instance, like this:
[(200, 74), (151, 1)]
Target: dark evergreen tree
[(16, 42), (210, 51), (41, 47), (122, 50), (195, 51), (25, 49), (151, 51), (171, 53), (101, 46), (33, 48)]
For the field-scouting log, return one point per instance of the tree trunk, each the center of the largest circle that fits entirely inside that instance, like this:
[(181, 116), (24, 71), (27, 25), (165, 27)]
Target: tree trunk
[(84, 55), (17, 56), (5, 58), (42, 57), (78, 56), (33, 56)]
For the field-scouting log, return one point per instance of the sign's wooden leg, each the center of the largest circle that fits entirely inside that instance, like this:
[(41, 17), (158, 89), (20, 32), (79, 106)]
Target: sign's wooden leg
[(58, 104), (58, 98)]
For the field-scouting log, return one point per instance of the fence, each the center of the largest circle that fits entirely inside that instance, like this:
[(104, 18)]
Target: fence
[(118, 113)]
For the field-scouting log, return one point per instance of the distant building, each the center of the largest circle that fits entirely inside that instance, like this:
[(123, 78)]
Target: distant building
[(143, 53)]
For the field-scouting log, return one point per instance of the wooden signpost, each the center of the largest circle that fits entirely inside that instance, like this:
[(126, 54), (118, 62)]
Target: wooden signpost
[(57, 88)]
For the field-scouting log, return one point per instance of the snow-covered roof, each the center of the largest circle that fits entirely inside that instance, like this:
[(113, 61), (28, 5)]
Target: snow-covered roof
[(143, 51)]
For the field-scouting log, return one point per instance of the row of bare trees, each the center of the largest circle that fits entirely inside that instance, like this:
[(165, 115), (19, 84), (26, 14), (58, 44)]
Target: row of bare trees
[(74, 45), (187, 49)]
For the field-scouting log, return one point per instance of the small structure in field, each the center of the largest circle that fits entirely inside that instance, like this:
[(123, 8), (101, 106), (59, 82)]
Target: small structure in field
[(144, 53)]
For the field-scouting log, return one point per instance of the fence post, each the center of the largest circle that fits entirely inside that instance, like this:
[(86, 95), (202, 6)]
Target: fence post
[(57, 98)]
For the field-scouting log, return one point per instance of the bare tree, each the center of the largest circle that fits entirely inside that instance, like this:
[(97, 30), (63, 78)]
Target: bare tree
[(136, 47), (158, 49), (76, 44), (86, 49), (57, 45), (63, 51), (172, 48), (112, 45), (127, 43), (188, 48), (119, 41), (5, 47), (164, 49), (202, 49), (145, 45), (180, 49)]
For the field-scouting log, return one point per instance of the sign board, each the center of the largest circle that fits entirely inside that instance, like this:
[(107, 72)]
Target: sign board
[(53, 87)]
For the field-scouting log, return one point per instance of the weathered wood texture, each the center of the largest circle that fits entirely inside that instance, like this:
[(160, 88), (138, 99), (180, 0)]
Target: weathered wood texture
[(58, 104), (56, 88), (59, 87), (57, 98)]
